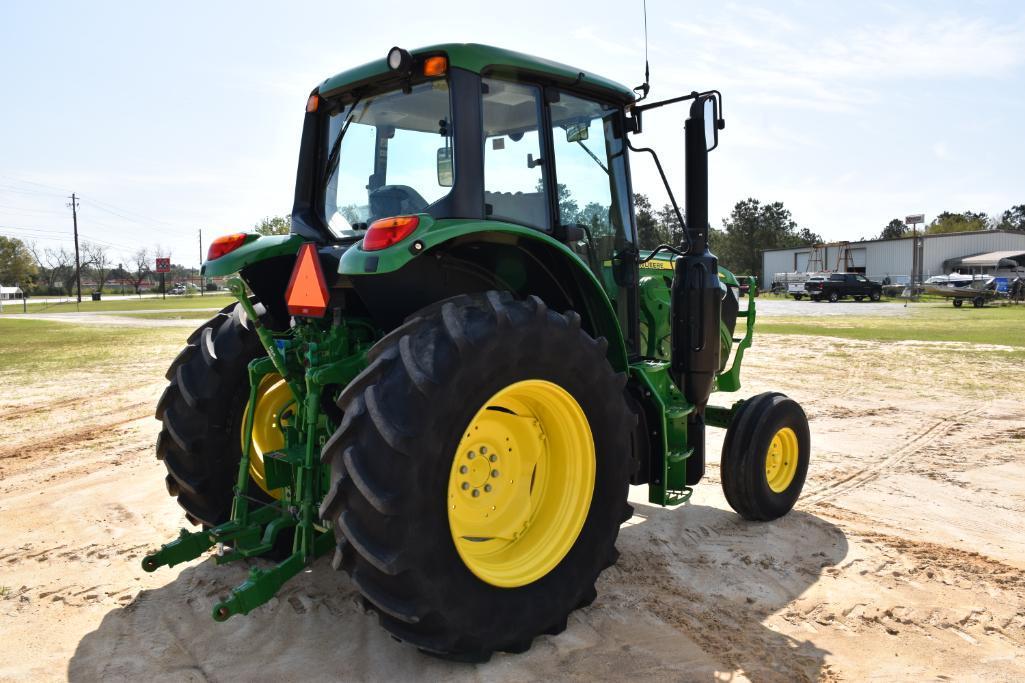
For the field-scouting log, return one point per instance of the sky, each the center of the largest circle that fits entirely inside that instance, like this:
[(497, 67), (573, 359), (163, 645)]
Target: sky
[(170, 118)]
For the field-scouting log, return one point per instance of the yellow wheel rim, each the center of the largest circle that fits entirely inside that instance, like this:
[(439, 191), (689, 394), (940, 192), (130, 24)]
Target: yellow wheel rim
[(781, 460), (274, 404), (521, 482)]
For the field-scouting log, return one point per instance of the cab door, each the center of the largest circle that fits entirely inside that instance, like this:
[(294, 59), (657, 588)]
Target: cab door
[(592, 193)]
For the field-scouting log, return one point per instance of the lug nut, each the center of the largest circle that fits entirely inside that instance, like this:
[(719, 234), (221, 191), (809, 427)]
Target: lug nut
[(466, 485), (483, 450), (487, 488), (476, 493), (464, 469), (493, 458), (494, 473), (471, 455)]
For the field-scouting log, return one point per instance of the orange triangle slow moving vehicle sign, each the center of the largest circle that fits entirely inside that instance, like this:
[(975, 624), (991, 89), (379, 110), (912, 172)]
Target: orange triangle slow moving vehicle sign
[(307, 291)]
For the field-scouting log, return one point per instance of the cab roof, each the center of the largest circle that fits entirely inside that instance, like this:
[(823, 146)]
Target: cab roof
[(484, 58)]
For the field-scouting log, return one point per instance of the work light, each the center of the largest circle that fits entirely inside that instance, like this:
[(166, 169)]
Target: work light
[(399, 59)]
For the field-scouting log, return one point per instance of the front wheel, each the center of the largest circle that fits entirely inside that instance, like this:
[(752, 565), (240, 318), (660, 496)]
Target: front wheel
[(875, 296), (833, 297), (480, 474), (765, 457), (958, 303)]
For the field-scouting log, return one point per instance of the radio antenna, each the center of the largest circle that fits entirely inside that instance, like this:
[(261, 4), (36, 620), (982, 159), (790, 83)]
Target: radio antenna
[(644, 87)]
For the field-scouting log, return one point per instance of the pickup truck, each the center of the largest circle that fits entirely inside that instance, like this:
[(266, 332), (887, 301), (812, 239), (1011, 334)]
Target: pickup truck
[(840, 285)]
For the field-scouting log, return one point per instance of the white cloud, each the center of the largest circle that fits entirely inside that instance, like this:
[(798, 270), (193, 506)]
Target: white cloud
[(775, 60)]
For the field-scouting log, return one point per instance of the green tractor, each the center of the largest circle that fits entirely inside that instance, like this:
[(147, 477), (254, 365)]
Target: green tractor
[(452, 370)]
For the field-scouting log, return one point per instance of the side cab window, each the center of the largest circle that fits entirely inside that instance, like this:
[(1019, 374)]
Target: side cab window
[(590, 174)]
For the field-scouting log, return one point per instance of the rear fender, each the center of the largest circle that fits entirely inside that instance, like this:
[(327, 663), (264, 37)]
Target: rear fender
[(265, 262), (449, 257)]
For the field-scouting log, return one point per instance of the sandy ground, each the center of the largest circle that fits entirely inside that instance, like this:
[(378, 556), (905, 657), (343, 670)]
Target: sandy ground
[(903, 560)]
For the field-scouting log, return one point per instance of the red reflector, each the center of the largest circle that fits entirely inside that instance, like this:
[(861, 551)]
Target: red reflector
[(307, 290), (388, 231), (226, 244)]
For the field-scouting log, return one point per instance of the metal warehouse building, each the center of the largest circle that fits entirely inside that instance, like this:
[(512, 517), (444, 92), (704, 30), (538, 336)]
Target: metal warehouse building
[(878, 259)]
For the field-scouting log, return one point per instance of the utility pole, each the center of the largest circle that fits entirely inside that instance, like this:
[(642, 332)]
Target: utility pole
[(202, 284), (78, 267), (916, 253)]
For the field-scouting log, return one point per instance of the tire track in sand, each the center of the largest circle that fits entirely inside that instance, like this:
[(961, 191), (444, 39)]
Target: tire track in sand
[(933, 431)]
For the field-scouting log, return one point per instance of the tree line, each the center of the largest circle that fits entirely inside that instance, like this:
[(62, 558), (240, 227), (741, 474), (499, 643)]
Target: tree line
[(751, 227), (965, 221), (51, 271)]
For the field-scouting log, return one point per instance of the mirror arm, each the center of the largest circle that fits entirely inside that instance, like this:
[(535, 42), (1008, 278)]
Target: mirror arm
[(720, 123), (669, 190)]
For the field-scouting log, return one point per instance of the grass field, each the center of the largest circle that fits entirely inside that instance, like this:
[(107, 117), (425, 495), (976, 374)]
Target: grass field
[(218, 300), (42, 347), (926, 322)]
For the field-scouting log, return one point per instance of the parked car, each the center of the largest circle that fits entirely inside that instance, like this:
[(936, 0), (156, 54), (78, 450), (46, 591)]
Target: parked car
[(802, 290), (841, 285), (177, 289)]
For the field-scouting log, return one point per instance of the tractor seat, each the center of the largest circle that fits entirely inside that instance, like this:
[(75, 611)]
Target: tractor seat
[(527, 208)]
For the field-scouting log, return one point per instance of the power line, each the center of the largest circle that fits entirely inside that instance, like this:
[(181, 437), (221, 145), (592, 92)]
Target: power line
[(20, 190), (119, 211), (32, 182)]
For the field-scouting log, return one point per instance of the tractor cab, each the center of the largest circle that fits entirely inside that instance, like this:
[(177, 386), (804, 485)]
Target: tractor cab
[(519, 141)]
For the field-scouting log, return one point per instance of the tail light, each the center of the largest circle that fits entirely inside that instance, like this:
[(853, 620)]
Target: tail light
[(225, 245), (385, 232)]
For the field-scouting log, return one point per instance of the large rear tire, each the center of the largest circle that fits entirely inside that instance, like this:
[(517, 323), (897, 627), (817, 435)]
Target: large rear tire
[(202, 412), (435, 429), (765, 457)]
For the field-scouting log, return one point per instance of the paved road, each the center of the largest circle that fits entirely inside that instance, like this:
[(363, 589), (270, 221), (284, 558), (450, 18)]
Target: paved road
[(790, 308), (118, 318)]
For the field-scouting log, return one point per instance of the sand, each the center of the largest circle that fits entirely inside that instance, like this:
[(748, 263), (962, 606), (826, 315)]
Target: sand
[(903, 560)]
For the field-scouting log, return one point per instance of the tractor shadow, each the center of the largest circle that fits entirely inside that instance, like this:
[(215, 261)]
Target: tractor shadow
[(686, 601)]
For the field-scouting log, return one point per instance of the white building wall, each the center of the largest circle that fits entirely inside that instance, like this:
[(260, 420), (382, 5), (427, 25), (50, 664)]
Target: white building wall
[(889, 258), (938, 249), (893, 257), (775, 262)]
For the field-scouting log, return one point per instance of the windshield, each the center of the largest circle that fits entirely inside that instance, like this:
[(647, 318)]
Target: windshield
[(388, 155)]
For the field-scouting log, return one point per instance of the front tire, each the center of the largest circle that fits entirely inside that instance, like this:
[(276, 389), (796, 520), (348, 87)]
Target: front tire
[(875, 296), (407, 499), (958, 303), (765, 457), (833, 297)]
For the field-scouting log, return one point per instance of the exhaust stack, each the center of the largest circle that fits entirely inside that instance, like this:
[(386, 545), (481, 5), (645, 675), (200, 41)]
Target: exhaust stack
[(697, 294)]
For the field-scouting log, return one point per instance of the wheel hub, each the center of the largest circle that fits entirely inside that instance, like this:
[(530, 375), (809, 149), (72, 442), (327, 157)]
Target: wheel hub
[(781, 460), (521, 483), (274, 408)]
